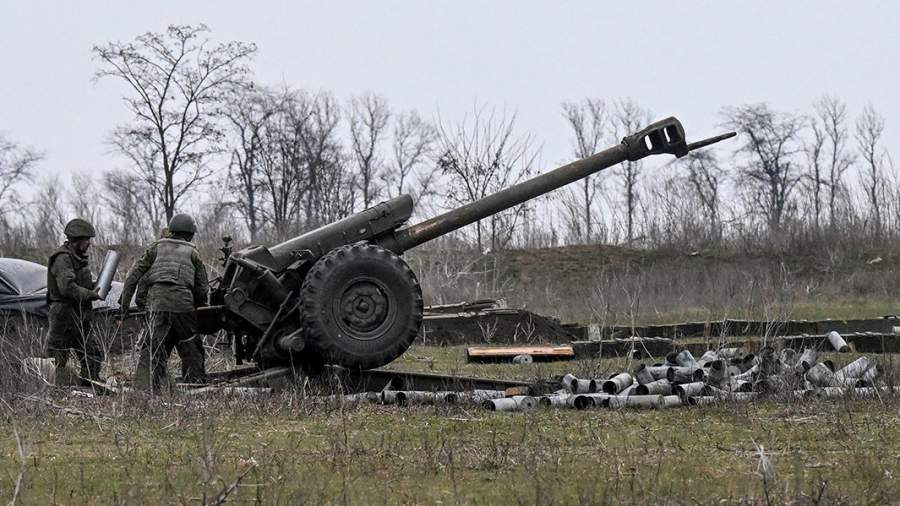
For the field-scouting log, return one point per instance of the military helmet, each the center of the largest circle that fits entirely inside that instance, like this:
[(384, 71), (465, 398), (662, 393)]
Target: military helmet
[(182, 223), (79, 229)]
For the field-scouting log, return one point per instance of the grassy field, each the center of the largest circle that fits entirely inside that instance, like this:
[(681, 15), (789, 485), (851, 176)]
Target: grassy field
[(838, 308), (833, 452), (290, 449), (608, 284), (58, 448)]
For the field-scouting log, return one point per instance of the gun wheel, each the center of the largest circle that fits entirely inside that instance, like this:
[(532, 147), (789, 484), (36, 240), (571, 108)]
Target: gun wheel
[(361, 306)]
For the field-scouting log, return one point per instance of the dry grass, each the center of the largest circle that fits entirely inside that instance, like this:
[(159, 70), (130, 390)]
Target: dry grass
[(603, 284), (60, 448), (291, 449)]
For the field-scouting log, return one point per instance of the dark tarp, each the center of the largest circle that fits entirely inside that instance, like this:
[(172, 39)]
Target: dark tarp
[(20, 277), (23, 288)]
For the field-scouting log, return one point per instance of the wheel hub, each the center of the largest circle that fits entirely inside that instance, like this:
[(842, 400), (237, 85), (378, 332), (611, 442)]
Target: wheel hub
[(363, 308)]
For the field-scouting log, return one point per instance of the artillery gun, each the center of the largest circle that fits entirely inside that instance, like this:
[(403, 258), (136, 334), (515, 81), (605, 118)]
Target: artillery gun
[(341, 294)]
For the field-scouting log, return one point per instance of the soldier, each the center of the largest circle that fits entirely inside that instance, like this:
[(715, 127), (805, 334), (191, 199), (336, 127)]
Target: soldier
[(188, 349), (70, 292), (176, 285)]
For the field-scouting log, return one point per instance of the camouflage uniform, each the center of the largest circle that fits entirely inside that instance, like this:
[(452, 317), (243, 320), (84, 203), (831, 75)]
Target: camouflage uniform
[(69, 293), (188, 349), (176, 285)]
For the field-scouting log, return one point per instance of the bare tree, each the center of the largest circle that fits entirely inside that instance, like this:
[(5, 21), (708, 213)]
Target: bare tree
[(670, 215), (50, 215), (832, 113), (136, 215), (283, 176), (304, 177), (412, 145), (281, 160), (216, 217), (869, 131), (83, 201), (336, 191), (481, 156), (628, 117), (588, 119), (368, 116), (322, 156), (177, 83), (16, 166), (408, 170), (704, 177), (814, 180), (770, 143), (249, 112)]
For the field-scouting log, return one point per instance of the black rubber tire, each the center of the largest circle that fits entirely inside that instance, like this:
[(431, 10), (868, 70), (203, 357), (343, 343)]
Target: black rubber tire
[(361, 306)]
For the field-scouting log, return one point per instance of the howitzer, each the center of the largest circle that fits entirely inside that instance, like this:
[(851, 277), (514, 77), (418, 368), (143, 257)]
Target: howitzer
[(341, 294)]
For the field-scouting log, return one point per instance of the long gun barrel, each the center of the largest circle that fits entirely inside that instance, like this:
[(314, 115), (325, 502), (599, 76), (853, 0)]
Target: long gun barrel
[(665, 136)]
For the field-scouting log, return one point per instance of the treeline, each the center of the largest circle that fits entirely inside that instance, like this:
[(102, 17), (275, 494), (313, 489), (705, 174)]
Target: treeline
[(263, 163)]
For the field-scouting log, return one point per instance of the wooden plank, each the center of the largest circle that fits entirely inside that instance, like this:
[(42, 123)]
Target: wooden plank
[(512, 351), (508, 353)]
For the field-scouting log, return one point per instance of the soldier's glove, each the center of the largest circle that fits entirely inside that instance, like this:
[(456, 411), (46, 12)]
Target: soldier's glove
[(95, 295)]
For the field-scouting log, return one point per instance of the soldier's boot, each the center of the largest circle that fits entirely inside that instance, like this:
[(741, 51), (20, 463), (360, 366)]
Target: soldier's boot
[(151, 374), (92, 361), (143, 371), (90, 369), (62, 377), (90, 356), (193, 363)]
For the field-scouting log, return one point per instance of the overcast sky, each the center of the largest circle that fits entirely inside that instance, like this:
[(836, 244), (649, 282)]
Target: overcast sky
[(687, 59)]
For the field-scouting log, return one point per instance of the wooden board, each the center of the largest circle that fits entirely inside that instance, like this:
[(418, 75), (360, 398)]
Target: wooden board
[(487, 353)]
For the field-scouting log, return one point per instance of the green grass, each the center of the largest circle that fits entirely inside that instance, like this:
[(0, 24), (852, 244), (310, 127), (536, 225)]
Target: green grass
[(137, 449), (452, 360), (845, 309), (819, 309), (385, 455)]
